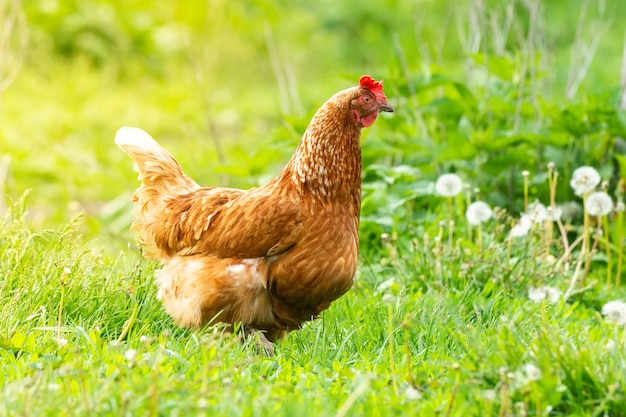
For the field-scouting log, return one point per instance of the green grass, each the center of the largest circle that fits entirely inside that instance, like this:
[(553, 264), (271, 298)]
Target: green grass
[(439, 321), (83, 334)]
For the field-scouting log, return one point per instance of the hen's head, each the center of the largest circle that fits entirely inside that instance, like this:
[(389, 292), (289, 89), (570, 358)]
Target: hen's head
[(369, 101)]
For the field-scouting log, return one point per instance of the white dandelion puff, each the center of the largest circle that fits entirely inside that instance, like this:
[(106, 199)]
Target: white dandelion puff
[(610, 344), (522, 227), (619, 207), (449, 185), (553, 213), (519, 230), (615, 312), (388, 298), (598, 204), (584, 179), (544, 293), (412, 394), (532, 372), (570, 210), (490, 394), (537, 212), (131, 355), (478, 212)]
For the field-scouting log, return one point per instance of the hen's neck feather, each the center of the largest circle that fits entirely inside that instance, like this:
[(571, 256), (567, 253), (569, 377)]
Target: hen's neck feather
[(327, 163)]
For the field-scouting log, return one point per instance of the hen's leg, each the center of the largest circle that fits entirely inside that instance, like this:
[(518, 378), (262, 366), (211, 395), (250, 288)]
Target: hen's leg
[(262, 344)]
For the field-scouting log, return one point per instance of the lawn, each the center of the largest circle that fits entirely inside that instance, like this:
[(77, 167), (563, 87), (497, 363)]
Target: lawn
[(514, 307)]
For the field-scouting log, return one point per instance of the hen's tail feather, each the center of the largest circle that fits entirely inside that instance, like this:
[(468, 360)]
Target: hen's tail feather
[(161, 176), (156, 166)]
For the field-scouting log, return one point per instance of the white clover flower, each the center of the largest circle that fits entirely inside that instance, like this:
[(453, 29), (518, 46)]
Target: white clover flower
[(544, 293), (598, 204), (584, 179), (615, 312), (532, 372), (537, 212), (449, 185), (478, 212)]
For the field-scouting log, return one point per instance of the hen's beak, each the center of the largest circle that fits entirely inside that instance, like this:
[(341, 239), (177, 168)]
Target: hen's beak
[(384, 106)]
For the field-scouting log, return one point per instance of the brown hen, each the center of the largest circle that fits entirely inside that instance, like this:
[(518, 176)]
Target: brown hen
[(270, 257)]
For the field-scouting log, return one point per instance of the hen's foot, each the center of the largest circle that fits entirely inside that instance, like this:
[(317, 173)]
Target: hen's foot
[(263, 346)]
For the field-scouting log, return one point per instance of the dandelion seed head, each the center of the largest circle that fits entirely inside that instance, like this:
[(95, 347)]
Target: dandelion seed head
[(521, 228), (67, 270), (544, 293), (490, 395), (598, 204), (519, 231), (532, 372), (131, 355), (619, 207), (412, 394), (448, 185), (478, 212), (615, 312), (525, 174), (584, 179), (537, 212), (570, 210), (553, 213), (551, 165), (61, 341), (388, 298)]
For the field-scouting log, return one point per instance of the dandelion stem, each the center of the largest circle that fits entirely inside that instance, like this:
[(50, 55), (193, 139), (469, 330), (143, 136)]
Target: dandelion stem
[(620, 247), (450, 208), (572, 285), (509, 245), (525, 175), (586, 236), (607, 246), (468, 201)]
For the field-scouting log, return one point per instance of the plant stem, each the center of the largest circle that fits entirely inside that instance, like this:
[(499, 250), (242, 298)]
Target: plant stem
[(620, 247), (607, 246)]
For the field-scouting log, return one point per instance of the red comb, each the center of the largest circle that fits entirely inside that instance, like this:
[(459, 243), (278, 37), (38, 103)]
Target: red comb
[(375, 87), (368, 82)]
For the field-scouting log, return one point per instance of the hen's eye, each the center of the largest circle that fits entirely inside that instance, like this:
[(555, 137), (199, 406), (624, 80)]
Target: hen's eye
[(367, 99)]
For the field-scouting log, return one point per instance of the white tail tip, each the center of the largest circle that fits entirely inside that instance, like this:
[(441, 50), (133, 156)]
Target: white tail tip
[(135, 137)]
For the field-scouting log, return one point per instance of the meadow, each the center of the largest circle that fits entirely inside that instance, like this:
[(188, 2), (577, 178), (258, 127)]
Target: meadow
[(497, 291)]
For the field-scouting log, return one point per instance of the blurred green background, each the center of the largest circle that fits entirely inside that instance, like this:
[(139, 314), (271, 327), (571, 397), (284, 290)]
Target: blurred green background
[(229, 87)]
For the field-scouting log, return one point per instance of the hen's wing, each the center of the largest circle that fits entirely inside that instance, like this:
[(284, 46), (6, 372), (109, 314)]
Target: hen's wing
[(229, 223)]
